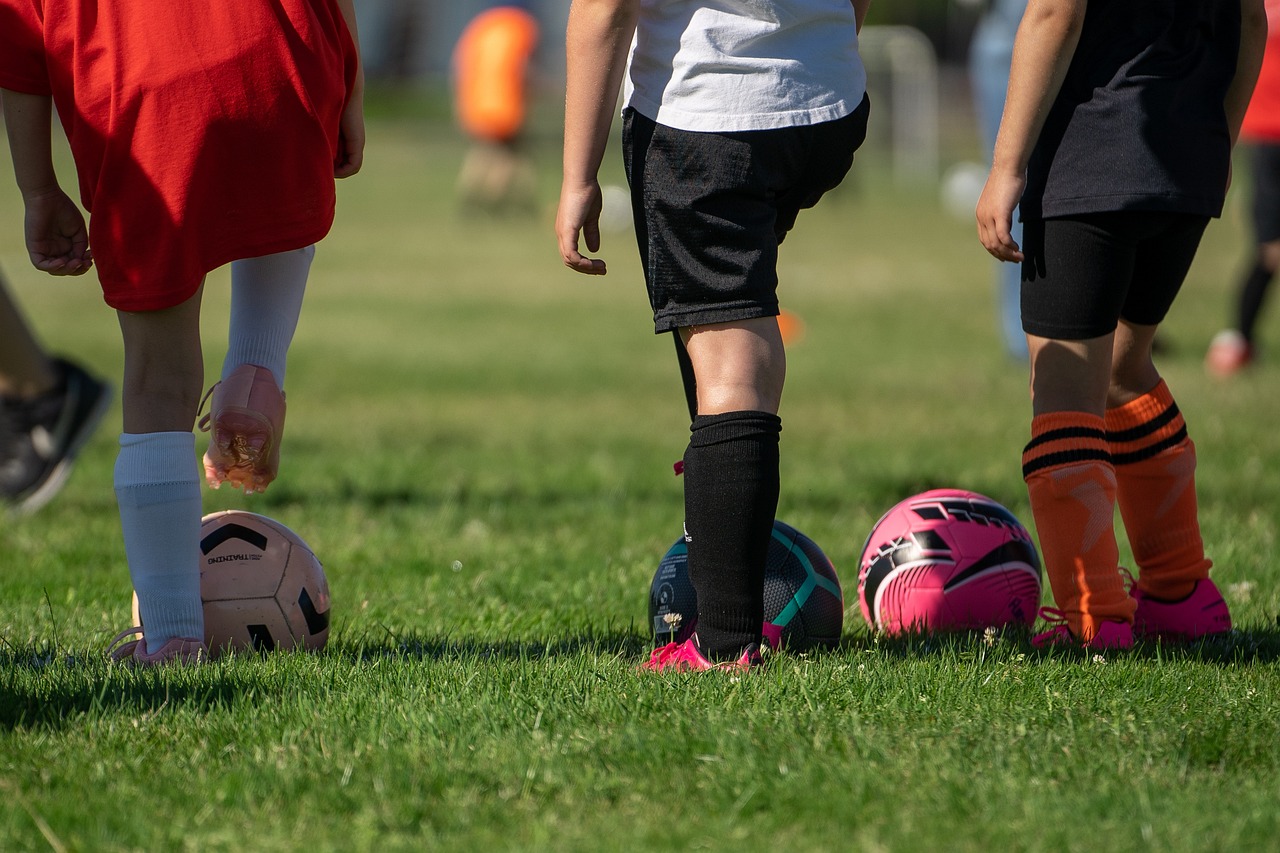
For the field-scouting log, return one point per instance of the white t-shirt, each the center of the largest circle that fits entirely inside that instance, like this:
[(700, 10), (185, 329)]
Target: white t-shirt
[(729, 65)]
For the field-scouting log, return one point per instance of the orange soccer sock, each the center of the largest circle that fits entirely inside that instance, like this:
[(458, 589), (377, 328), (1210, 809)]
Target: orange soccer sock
[(1073, 495), (1155, 466)]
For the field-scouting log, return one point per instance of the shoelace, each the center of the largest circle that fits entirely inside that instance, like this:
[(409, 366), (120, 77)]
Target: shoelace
[(1130, 581), (1056, 620), (116, 648), (188, 651), (1053, 615), (664, 654), (204, 424)]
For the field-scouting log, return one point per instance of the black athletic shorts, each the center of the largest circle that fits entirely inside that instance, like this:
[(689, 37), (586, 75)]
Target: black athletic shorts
[(711, 208), (1082, 274), (1265, 161)]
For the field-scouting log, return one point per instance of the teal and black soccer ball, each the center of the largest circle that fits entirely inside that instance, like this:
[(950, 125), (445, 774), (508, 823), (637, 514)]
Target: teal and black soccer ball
[(803, 601)]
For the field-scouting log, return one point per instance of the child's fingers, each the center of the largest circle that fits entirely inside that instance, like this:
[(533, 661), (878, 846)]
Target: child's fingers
[(575, 260)]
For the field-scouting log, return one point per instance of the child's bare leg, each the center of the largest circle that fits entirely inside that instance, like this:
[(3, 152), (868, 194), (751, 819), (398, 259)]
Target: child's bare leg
[(163, 368), (739, 366), (25, 369), (731, 477), (156, 477), (1071, 482), (1155, 461)]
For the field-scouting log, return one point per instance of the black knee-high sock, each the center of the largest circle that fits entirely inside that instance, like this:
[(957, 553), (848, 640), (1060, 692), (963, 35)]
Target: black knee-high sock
[(1252, 295), (730, 499)]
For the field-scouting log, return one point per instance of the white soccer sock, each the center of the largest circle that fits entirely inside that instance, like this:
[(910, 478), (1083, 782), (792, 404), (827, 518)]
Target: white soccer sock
[(158, 489), (266, 300)]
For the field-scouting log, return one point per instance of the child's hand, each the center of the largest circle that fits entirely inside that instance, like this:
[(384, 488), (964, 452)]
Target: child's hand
[(579, 213), (351, 137), (57, 237), (994, 213)]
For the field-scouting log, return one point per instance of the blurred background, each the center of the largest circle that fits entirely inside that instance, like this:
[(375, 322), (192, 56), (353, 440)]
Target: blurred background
[(937, 71), (411, 39), (466, 195), (409, 44), (937, 74)]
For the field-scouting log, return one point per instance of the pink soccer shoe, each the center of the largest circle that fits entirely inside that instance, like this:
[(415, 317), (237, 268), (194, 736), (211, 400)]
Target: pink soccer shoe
[(1203, 613), (1110, 635), (1229, 353), (687, 657), (179, 650), (246, 418)]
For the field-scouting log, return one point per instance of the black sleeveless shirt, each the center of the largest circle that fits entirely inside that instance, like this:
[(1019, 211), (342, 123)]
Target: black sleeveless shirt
[(1139, 123)]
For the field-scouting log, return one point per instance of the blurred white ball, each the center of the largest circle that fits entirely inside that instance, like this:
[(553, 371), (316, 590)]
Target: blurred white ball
[(961, 186), (615, 214)]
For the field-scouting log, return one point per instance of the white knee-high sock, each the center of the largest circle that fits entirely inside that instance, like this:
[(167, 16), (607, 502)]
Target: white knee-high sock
[(266, 300), (158, 489)]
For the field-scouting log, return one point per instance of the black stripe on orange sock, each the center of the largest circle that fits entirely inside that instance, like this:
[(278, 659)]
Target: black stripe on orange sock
[(1064, 438), (1145, 427)]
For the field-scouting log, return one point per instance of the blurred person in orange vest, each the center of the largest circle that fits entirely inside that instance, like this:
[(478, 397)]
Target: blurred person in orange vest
[(490, 77)]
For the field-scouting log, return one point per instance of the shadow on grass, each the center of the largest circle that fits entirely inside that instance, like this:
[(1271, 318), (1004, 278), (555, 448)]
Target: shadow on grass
[(1240, 646), (429, 498), (1247, 646), (38, 691), (608, 643), (46, 687)]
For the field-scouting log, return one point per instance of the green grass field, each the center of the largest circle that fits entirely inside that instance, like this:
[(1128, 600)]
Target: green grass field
[(480, 448)]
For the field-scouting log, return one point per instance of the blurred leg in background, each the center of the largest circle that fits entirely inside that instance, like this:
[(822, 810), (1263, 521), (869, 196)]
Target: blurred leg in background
[(990, 55), (49, 407), (1234, 349)]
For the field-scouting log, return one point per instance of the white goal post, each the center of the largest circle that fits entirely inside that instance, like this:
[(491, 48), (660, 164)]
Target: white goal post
[(905, 56)]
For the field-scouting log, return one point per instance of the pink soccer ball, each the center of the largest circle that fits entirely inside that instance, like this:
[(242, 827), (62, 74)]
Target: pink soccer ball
[(948, 560)]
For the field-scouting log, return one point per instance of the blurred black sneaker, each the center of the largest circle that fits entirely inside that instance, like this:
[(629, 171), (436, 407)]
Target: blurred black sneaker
[(39, 438)]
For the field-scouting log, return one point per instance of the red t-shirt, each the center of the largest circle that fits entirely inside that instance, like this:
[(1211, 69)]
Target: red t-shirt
[(1262, 121), (201, 134)]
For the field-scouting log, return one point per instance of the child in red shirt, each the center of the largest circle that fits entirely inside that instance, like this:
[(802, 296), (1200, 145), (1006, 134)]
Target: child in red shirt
[(200, 137), (1234, 348)]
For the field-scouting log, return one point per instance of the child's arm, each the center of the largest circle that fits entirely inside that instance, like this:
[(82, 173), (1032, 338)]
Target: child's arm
[(860, 11), (1042, 52), (352, 132), (596, 44), (55, 231)]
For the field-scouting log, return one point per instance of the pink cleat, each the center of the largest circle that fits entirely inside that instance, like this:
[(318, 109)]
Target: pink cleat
[(246, 418), (1203, 613), (769, 632), (179, 650), (1110, 635), (1229, 353), (687, 657)]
